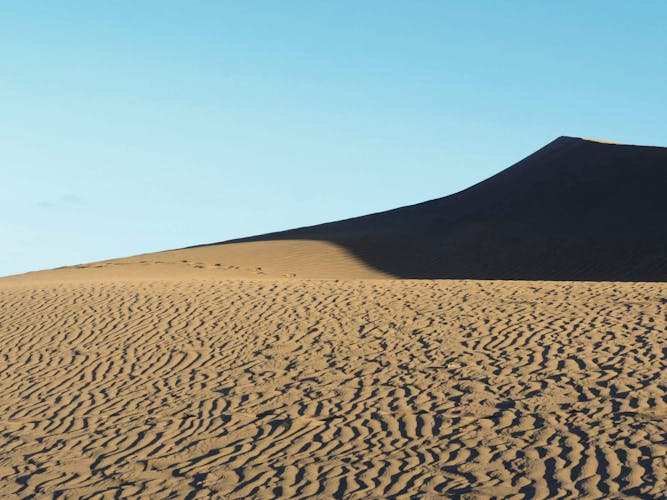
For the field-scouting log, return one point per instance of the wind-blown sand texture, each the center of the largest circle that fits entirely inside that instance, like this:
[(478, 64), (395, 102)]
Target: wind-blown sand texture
[(357, 388), (298, 365)]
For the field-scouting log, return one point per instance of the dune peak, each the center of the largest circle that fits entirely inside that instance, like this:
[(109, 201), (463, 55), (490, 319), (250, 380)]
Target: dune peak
[(573, 210)]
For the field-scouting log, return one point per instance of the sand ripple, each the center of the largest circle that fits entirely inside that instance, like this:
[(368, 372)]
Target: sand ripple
[(241, 388)]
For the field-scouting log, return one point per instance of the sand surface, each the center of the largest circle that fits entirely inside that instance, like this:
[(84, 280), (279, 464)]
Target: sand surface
[(298, 364), (116, 385)]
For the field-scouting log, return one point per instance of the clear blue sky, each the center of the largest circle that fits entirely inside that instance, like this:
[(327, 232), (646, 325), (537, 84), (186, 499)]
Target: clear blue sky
[(136, 126)]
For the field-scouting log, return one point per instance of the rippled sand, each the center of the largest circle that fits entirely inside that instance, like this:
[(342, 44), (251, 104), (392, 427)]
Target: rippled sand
[(201, 386)]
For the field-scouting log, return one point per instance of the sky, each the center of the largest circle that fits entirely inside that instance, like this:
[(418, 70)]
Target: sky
[(135, 126)]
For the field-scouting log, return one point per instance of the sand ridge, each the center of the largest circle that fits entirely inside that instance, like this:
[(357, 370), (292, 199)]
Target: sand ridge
[(262, 387), (574, 210)]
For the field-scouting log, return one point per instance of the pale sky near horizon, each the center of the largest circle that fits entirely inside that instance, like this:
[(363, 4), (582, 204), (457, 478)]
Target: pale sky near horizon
[(135, 126)]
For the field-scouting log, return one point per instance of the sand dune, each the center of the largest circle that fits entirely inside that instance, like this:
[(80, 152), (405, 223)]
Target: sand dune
[(574, 210), (227, 371)]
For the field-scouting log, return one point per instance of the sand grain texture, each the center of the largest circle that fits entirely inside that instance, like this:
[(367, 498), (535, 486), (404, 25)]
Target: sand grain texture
[(245, 388)]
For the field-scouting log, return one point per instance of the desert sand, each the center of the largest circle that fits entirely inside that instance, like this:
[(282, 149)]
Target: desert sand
[(310, 363)]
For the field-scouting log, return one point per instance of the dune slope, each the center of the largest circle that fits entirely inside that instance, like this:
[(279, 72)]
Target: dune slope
[(576, 209)]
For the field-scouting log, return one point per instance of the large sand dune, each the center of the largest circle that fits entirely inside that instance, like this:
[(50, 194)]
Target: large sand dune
[(227, 371), (574, 210), (577, 209)]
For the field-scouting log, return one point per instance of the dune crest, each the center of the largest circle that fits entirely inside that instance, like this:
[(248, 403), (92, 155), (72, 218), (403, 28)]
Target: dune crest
[(577, 209), (601, 141), (573, 210)]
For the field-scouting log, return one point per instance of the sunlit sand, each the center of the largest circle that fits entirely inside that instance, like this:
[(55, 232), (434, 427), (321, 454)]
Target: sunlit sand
[(303, 365)]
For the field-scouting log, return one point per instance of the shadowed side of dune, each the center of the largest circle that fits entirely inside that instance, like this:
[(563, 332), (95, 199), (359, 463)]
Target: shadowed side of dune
[(574, 210)]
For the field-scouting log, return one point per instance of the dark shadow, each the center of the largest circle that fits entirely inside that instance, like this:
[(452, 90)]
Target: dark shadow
[(574, 210)]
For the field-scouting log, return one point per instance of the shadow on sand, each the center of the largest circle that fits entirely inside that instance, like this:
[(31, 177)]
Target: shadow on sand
[(574, 210)]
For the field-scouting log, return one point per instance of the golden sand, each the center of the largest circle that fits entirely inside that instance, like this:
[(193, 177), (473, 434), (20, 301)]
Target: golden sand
[(260, 387)]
